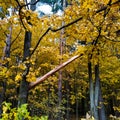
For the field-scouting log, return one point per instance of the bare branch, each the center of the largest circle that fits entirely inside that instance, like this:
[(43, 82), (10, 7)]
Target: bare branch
[(67, 25), (54, 30), (41, 79), (39, 41), (18, 3), (75, 21)]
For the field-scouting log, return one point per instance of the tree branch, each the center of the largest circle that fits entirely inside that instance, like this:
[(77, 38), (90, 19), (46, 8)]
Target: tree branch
[(20, 8), (16, 37), (75, 21), (41, 79), (67, 25), (39, 41), (54, 30), (105, 7), (112, 40)]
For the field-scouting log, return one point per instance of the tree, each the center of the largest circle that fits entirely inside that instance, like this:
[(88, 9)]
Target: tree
[(96, 26), (5, 57)]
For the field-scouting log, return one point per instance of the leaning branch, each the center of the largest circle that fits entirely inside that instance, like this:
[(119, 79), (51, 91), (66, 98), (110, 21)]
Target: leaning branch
[(41, 79)]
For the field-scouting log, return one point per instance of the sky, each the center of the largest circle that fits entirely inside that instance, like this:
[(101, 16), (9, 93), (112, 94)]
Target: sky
[(45, 8)]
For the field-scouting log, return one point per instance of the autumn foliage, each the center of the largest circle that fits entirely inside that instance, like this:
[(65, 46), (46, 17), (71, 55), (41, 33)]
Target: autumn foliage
[(30, 56)]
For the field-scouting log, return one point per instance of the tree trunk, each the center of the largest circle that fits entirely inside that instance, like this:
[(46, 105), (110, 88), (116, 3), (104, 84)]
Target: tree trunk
[(60, 94), (2, 95), (76, 97), (97, 92), (62, 42), (102, 115), (68, 100), (6, 55), (33, 7), (23, 93), (60, 78), (77, 112), (91, 89)]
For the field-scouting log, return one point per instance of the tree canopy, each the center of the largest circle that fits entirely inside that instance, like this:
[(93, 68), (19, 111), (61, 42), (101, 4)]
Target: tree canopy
[(33, 49)]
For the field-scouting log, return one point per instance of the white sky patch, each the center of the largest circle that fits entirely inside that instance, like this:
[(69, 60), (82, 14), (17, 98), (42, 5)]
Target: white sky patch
[(46, 9), (59, 13)]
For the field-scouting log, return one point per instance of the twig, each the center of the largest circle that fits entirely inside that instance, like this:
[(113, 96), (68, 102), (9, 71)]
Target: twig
[(16, 37)]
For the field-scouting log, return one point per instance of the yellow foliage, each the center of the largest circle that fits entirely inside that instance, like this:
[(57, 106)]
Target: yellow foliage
[(96, 29), (18, 77)]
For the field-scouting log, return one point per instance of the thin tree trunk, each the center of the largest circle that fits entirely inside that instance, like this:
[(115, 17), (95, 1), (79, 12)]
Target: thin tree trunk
[(2, 95), (60, 94), (49, 114), (68, 104), (91, 89), (76, 99), (102, 114), (6, 55), (62, 41), (77, 113), (60, 78), (97, 92), (33, 7)]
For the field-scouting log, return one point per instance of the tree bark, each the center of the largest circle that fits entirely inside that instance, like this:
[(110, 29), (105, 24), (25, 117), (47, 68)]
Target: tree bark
[(6, 55), (60, 95), (44, 77), (33, 7), (23, 93), (91, 86), (2, 95), (68, 100), (97, 92), (77, 112), (24, 85), (62, 42), (102, 114)]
